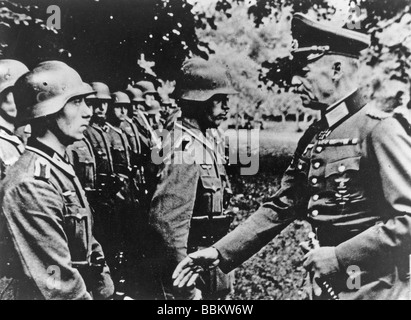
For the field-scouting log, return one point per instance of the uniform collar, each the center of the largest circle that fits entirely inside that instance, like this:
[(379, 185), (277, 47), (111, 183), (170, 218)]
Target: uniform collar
[(10, 133), (62, 162), (99, 127), (12, 138), (190, 123), (344, 108), (118, 130)]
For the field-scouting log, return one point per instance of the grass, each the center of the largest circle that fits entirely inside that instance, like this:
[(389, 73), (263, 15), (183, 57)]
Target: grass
[(276, 272)]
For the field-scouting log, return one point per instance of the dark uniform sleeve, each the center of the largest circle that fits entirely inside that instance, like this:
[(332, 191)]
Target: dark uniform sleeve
[(104, 286), (288, 204), (391, 147), (34, 213), (172, 209)]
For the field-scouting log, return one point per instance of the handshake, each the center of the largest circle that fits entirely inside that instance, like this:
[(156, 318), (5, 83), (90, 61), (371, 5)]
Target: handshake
[(188, 270), (320, 262)]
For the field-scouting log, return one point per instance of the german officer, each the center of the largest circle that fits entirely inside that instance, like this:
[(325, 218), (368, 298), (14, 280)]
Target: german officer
[(187, 210), (49, 250), (350, 178), (11, 147)]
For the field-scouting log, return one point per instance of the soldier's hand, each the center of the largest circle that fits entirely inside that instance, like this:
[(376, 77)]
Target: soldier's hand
[(322, 262), (188, 270)]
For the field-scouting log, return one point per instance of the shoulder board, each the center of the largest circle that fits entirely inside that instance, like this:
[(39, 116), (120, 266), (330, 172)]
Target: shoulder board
[(378, 114), (12, 139), (403, 118), (42, 169)]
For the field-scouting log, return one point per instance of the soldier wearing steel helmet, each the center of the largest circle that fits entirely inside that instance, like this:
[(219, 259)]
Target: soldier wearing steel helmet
[(49, 250), (350, 178), (152, 111), (107, 182), (11, 147), (187, 210), (138, 115), (82, 157)]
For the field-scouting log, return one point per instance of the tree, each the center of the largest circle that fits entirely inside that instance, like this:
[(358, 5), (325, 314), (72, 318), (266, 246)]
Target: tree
[(103, 39)]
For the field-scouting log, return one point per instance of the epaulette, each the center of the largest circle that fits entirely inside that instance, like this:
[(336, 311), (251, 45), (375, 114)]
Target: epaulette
[(42, 169), (403, 118), (378, 114)]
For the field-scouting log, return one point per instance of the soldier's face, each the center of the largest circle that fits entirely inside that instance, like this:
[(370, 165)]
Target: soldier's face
[(316, 83), (8, 108), (73, 120), (217, 110), (100, 108), (136, 107), (120, 112)]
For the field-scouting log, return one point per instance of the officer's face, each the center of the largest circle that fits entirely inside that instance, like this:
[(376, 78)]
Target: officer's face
[(8, 108), (316, 82), (217, 110), (73, 119), (119, 112)]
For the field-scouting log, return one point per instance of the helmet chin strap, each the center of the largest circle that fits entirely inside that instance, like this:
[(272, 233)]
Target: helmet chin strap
[(58, 133)]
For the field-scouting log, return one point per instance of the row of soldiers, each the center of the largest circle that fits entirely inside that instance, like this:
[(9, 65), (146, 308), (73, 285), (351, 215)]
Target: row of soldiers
[(113, 160), (124, 217)]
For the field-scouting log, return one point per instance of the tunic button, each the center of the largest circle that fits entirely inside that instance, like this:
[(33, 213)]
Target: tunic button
[(317, 165), (341, 168), (319, 149), (314, 180), (316, 197), (315, 213)]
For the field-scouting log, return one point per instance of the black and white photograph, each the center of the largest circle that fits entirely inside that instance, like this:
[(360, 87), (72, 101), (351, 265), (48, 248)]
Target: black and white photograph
[(213, 151)]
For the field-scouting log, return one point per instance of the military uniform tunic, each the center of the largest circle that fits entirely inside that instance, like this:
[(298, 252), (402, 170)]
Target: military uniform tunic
[(352, 181), (187, 208), (97, 136), (11, 148), (48, 248), (82, 157)]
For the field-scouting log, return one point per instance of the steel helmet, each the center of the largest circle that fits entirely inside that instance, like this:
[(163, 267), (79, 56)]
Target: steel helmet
[(120, 98), (102, 91), (203, 79), (92, 95), (135, 94), (10, 71), (46, 89), (147, 87)]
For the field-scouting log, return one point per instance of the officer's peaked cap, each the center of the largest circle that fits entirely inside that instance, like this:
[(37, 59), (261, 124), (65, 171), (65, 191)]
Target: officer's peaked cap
[(311, 36)]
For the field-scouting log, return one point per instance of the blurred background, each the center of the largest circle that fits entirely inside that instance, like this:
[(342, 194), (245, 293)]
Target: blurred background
[(123, 41)]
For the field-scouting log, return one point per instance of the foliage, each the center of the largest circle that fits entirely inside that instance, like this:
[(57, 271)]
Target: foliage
[(103, 39)]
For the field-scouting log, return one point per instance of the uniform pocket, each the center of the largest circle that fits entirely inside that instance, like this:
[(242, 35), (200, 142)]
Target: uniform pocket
[(212, 196), (342, 166), (77, 226), (344, 179)]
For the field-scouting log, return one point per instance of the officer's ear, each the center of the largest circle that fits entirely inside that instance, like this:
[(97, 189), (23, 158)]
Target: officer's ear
[(338, 71)]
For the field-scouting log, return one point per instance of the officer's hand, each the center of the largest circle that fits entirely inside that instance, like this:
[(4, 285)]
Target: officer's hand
[(322, 262), (188, 270)]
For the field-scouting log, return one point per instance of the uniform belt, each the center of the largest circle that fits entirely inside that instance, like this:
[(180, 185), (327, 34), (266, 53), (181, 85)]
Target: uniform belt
[(207, 230)]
